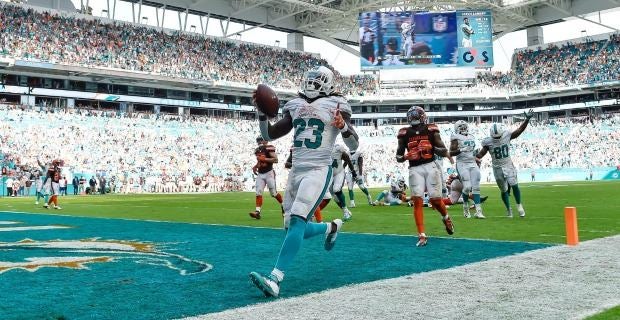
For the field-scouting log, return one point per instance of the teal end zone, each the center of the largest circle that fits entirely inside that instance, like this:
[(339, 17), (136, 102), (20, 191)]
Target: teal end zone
[(136, 287)]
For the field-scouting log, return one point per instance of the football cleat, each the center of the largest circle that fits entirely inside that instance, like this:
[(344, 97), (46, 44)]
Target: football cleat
[(46, 206), (509, 213), (466, 211), (421, 240), (352, 204), (483, 199), (448, 223), (36, 202), (330, 239), (255, 215), (521, 210), (57, 208), (478, 214), (369, 200), (347, 215), (269, 286)]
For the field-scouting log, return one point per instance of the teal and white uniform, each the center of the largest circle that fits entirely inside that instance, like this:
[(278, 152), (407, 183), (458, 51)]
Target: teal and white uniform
[(360, 178), (503, 168), (466, 165), (313, 144), (467, 31), (338, 168)]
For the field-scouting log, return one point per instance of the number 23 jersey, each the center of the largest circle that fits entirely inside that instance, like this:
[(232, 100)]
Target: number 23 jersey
[(499, 149), (418, 142), (313, 134)]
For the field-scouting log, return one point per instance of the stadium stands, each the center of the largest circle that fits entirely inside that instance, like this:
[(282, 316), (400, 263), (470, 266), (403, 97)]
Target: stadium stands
[(29, 34), (150, 153)]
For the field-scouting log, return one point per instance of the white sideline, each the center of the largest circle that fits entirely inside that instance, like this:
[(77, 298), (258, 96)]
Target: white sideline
[(558, 282)]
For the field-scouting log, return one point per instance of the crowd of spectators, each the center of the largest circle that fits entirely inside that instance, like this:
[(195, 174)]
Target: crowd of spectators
[(168, 153), (564, 65), (29, 34)]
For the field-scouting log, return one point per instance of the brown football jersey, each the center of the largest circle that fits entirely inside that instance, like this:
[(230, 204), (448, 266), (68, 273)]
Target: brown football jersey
[(263, 166), (419, 143)]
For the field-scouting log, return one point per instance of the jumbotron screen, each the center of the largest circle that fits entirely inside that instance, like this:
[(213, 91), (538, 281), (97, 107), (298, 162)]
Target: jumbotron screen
[(409, 39)]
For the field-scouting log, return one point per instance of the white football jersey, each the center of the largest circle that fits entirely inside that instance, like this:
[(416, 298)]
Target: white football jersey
[(337, 163), (355, 160), (395, 187), (313, 134), (468, 142), (499, 149)]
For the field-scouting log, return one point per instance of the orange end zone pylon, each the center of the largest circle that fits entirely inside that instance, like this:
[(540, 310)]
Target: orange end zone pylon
[(572, 233)]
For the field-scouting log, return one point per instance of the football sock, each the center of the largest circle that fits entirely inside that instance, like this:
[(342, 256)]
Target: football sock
[(341, 199), (465, 198), (381, 196), (315, 229), (446, 201), (259, 202), (476, 198), (351, 195), (365, 191), (39, 196), (292, 242), (517, 193), (418, 213), (506, 199), (439, 206), (317, 215), (278, 197)]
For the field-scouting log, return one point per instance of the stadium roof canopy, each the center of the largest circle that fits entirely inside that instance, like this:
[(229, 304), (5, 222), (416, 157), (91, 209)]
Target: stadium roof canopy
[(336, 20)]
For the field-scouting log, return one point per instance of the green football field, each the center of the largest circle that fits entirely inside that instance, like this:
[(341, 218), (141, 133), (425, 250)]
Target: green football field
[(597, 208)]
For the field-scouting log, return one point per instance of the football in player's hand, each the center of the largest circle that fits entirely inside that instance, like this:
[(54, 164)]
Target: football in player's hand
[(266, 100)]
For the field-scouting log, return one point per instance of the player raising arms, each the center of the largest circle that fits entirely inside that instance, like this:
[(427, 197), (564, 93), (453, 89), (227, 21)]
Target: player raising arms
[(318, 115), (266, 156), (422, 141), (462, 146), (357, 159), (498, 144)]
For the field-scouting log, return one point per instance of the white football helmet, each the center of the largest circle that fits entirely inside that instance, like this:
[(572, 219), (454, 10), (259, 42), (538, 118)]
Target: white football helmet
[(461, 127), (318, 81), (497, 130)]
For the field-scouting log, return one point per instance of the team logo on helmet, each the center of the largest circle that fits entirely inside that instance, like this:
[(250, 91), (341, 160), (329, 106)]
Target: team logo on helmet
[(416, 115)]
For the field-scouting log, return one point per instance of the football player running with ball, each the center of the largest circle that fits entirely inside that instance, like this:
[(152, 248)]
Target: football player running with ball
[(498, 144), (422, 141), (317, 115)]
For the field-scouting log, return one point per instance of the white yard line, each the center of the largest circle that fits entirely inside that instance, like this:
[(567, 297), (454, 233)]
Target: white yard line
[(559, 282)]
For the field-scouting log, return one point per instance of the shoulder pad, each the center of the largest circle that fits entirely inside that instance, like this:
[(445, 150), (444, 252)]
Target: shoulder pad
[(270, 148), (433, 128), (402, 132)]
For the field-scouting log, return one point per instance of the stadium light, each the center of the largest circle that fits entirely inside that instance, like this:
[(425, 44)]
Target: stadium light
[(277, 43), (192, 28), (145, 20)]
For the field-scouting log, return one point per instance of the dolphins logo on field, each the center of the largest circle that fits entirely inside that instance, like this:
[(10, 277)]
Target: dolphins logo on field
[(78, 254)]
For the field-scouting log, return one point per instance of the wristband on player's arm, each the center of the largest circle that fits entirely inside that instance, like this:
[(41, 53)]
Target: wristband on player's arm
[(264, 128)]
